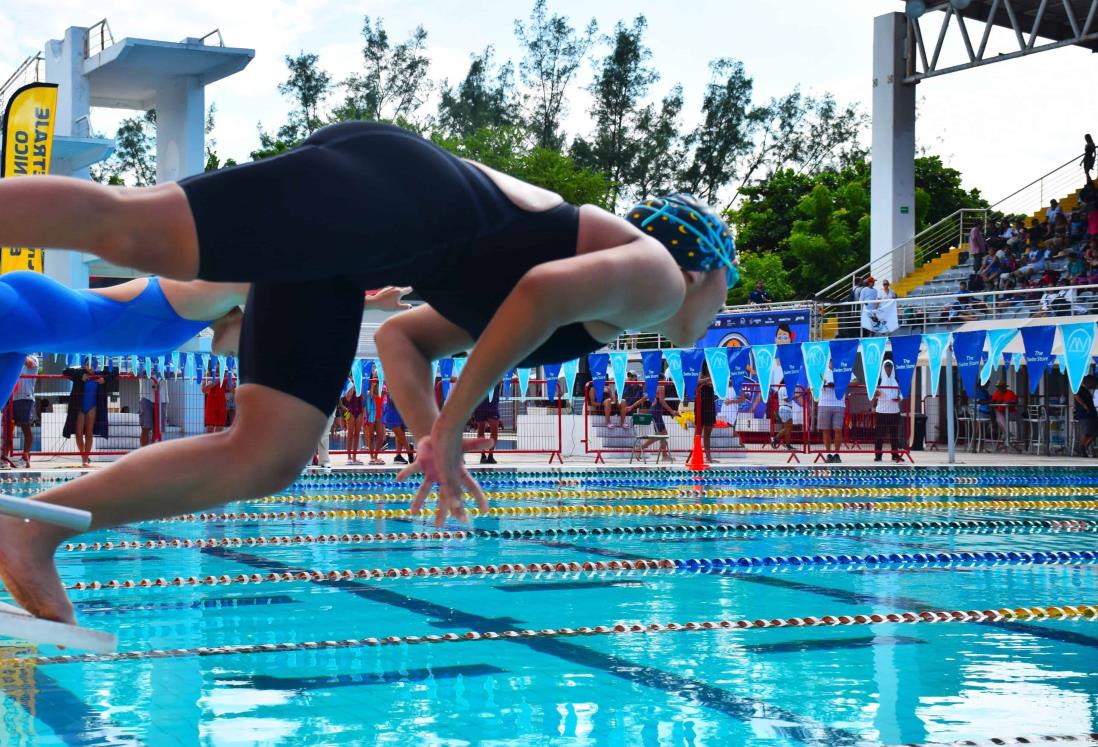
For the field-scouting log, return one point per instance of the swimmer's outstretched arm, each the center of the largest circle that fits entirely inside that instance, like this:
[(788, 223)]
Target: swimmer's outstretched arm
[(649, 289), (147, 228)]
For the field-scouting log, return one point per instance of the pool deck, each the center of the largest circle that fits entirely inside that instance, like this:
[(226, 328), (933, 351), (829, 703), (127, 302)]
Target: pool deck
[(760, 459)]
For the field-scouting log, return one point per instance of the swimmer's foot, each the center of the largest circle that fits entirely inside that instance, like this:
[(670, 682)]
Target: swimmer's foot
[(28, 571)]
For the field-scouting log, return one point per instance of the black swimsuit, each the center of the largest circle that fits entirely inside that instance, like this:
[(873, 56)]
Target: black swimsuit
[(358, 206)]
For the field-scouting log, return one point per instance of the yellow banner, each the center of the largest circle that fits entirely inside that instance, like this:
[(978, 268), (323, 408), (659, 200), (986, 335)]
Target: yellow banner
[(27, 148)]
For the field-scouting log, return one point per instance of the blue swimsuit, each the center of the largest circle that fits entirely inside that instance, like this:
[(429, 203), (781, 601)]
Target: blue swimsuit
[(39, 313)]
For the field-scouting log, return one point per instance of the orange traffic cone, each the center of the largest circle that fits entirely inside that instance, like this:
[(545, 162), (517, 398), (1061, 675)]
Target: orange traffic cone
[(696, 460)]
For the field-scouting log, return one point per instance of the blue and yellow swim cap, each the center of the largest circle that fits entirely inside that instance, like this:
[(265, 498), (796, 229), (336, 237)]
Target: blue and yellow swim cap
[(691, 231)]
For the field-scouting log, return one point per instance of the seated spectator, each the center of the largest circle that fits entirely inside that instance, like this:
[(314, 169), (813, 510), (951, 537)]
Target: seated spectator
[(759, 293), (1053, 212), (609, 404), (1017, 240), (1036, 233), (963, 308), (1076, 265), (976, 282), (1005, 403), (1078, 225), (993, 267), (1090, 254), (633, 397), (1035, 262)]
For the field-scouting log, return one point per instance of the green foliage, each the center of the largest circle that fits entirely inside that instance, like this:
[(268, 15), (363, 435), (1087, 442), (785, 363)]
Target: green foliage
[(621, 81), (724, 134), (832, 237), (765, 218), (943, 189), (506, 149), (134, 159), (766, 267), (394, 81), (657, 147), (553, 52), (308, 85), (479, 101)]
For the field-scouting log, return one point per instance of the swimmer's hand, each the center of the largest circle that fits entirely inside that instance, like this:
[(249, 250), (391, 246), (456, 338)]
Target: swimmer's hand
[(439, 460), (388, 299)]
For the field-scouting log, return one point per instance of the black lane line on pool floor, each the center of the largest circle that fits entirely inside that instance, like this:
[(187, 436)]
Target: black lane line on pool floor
[(740, 708), (328, 682), (70, 718)]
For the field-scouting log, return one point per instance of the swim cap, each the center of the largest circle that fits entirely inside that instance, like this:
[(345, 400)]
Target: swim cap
[(691, 231)]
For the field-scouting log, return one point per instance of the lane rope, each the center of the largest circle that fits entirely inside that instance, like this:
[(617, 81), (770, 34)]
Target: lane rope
[(737, 564), (659, 508), (979, 526), (1017, 614)]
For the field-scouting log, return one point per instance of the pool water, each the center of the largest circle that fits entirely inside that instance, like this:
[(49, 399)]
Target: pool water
[(291, 662)]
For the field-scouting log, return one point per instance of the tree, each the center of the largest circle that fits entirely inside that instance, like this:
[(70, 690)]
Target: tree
[(832, 237), (394, 83), (657, 147), (621, 81), (725, 133), (764, 218), (479, 100), (802, 132), (507, 149), (308, 85), (134, 156), (767, 267), (213, 161), (554, 52), (942, 184)]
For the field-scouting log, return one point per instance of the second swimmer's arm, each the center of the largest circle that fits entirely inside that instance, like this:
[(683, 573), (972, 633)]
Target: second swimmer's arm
[(558, 293)]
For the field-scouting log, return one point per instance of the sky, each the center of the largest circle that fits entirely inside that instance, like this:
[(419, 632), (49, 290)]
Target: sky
[(1001, 125)]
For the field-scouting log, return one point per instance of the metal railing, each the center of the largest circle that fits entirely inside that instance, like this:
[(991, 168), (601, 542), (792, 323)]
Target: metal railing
[(952, 231), (31, 70), (99, 38), (947, 311), (933, 241), (1057, 184), (215, 32)]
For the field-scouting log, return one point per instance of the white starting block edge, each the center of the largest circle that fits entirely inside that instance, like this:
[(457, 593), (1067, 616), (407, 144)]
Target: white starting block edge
[(23, 508), (20, 624)]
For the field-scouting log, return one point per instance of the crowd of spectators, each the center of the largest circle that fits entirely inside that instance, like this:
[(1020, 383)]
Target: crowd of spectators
[(1058, 251)]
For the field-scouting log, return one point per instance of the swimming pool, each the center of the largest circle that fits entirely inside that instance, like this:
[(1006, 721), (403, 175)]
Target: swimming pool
[(326, 615)]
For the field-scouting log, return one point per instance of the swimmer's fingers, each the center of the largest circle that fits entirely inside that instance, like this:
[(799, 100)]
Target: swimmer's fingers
[(414, 468), (473, 487), (450, 501), (476, 444), (421, 497)]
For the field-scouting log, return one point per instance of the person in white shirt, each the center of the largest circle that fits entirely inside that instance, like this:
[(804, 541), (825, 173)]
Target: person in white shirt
[(23, 408), (830, 416), (887, 402)]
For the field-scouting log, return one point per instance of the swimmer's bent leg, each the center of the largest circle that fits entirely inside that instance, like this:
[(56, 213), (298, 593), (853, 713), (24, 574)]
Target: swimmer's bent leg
[(271, 440)]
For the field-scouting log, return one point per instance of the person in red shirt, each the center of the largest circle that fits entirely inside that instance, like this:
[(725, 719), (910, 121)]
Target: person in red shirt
[(214, 389), (1003, 402)]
